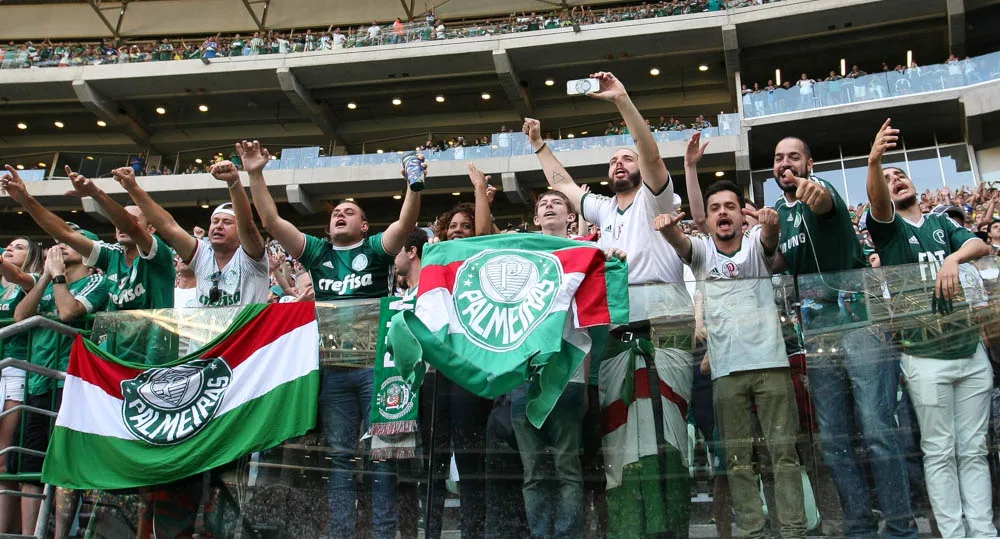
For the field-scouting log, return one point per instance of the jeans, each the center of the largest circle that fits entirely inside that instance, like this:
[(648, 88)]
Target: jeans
[(553, 478), (771, 390), (856, 381), (951, 398), (345, 404), (459, 417)]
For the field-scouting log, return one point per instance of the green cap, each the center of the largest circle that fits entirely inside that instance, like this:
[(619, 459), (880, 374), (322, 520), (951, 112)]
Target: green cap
[(277, 291), (84, 232)]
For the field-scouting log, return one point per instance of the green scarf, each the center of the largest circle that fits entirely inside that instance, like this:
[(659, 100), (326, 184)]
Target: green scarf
[(394, 405)]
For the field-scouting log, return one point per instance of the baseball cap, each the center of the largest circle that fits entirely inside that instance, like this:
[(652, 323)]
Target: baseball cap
[(277, 291), (82, 231), (226, 208)]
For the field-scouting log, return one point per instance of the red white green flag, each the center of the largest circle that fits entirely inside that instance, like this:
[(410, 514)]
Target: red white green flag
[(125, 425), (496, 311)]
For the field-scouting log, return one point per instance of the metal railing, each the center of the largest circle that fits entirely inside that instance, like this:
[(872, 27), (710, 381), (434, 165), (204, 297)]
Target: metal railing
[(28, 326)]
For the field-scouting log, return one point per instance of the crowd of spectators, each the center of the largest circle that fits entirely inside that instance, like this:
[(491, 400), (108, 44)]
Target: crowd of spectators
[(976, 209), (855, 85), (117, 51)]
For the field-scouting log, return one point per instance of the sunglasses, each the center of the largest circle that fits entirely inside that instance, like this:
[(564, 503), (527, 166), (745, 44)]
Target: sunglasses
[(214, 294)]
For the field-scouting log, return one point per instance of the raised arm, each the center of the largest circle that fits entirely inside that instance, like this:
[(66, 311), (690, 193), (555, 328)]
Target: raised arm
[(250, 239), (395, 234), (878, 190), (555, 174), (987, 216), (15, 276), (28, 307), (123, 220), (666, 224), (692, 156), (651, 165), (162, 221), (52, 224), (484, 212), (254, 159)]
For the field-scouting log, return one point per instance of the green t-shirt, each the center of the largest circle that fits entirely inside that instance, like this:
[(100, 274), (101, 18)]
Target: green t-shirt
[(16, 346), (147, 284), (835, 291), (50, 349), (359, 271), (927, 242)]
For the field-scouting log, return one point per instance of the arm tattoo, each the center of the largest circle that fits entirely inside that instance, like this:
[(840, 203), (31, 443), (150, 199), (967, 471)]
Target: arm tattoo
[(558, 177)]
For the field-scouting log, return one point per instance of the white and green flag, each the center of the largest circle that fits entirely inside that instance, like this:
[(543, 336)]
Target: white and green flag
[(493, 312), (125, 425)]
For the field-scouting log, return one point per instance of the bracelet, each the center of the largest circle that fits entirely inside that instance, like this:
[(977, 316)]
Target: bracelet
[(234, 184), (542, 147)]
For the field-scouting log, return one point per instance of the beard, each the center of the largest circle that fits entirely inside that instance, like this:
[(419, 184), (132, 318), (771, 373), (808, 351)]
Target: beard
[(791, 188), (906, 203), (626, 184), (727, 237)]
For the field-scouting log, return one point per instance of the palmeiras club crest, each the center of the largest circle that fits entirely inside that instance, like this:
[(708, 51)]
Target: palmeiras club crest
[(165, 406), (502, 295), (394, 399)]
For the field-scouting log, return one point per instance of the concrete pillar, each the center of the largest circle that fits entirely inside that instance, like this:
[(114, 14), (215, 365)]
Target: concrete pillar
[(731, 45), (956, 27)]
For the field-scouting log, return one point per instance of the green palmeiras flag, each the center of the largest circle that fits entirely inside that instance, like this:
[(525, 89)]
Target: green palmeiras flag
[(125, 425), (495, 311), (393, 418)]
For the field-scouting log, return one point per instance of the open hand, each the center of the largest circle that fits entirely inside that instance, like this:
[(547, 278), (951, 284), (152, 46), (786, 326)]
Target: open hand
[(694, 151), (253, 156)]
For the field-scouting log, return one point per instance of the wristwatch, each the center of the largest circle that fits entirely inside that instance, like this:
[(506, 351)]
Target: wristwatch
[(59, 279)]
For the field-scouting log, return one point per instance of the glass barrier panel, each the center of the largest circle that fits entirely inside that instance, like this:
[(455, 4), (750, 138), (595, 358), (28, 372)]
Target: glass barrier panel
[(776, 399)]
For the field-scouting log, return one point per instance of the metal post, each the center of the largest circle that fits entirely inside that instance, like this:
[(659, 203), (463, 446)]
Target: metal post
[(42, 524), (52, 167)]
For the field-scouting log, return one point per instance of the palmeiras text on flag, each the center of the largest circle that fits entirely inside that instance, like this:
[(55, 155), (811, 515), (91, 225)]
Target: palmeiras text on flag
[(496, 311), (127, 425)]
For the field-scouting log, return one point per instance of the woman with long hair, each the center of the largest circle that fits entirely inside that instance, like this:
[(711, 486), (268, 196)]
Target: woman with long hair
[(19, 263)]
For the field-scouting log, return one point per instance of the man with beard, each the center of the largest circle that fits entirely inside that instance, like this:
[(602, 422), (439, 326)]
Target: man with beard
[(139, 268), (230, 265), (854, 382), (642, 190), (950, 380), (746, 351), (348, 265)]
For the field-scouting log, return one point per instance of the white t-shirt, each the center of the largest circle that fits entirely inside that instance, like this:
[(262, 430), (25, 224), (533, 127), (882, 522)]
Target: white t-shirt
[(339, 40), (373, 31), (650, 258), (243, 281), (744, 332), (805, 86), (440, 31), (186, 298)]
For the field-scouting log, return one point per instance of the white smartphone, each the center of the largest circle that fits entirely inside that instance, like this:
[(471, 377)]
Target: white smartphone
[(582, 86)]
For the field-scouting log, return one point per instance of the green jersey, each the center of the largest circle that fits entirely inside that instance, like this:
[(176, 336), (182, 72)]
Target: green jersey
[(927, 242), (16, 346), (358, 271), (147, 284), (50, 349), (835, 291)]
